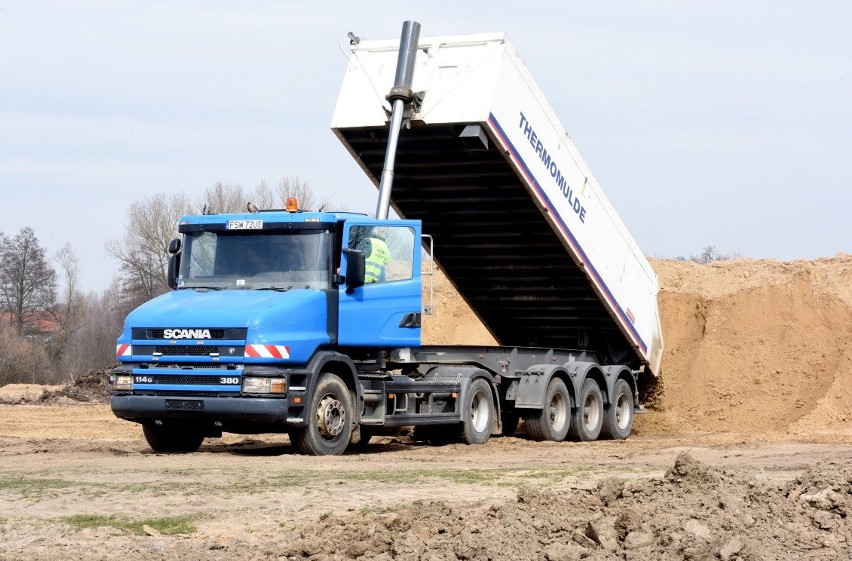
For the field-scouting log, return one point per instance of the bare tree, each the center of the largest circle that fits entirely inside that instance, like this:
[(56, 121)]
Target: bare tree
[(27, 281), (222, 198), (266, 196), (70, 307), (142, 251), (92, 344)]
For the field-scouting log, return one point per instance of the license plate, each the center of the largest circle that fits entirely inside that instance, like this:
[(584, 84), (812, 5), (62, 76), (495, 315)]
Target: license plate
[(184, 405), (245, 224)]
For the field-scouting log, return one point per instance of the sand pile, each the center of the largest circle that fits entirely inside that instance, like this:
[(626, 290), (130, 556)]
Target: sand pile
[(758, 346), (752, 346)]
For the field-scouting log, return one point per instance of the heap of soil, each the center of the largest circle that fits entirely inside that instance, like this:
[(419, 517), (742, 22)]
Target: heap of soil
[(91, 387), (758, 346), (693, 512)]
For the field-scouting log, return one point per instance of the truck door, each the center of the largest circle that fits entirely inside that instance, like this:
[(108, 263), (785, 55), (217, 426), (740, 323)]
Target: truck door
[(385, 312)]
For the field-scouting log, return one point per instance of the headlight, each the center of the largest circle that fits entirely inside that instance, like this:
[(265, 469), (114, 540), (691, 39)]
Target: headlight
[(256, 384), (122, 382)]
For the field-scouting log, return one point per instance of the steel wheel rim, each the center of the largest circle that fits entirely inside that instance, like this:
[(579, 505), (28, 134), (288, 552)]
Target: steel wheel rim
[(591, 412), (558, 412), (479, 412), (331, 417), (622, 412)]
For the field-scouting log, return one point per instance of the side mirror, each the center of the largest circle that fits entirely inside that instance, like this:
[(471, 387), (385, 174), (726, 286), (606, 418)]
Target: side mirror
[(174, 263), (174, 267), (356, 263), (174, 246)]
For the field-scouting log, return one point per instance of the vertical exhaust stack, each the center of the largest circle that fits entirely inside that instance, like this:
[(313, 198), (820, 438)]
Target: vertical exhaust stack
[(399, 96)]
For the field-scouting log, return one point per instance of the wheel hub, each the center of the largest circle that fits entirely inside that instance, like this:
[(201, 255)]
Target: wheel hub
[(591, 412), (622, 412), (479, 412), (558, 412), (330, 417)]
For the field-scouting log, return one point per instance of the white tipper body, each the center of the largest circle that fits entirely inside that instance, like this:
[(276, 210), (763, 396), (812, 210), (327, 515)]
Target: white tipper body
[(481, 79)]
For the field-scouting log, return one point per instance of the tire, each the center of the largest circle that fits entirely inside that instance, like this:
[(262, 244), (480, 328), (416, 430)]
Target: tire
[(510, 421), (329, 420), (554, 419), (477, 413), (588, 415), (618, 419), (172, 439)]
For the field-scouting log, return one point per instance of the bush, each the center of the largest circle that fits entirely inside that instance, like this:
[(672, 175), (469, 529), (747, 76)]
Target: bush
[(24, 360)]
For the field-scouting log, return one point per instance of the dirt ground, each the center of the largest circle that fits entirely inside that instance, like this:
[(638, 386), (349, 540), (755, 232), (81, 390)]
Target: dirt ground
[(746, 455)]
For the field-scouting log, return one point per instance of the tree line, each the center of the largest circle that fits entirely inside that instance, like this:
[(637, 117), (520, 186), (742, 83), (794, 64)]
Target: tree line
[(51, 331)]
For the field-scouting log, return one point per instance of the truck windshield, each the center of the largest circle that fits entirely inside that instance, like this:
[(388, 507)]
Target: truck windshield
[(243, 260)]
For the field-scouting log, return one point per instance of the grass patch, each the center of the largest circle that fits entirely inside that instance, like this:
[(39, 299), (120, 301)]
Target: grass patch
[(168, 525), (31, 485)]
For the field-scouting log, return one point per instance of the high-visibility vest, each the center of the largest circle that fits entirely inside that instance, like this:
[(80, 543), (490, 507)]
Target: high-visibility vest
[(374, 269)]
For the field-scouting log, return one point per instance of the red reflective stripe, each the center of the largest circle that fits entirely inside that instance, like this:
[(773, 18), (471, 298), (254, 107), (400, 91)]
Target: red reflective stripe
[(267, 351), (121, 348)]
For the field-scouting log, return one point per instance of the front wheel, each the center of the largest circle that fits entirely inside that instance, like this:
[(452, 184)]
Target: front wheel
[(172, 439), (588, 415), (618, 420), (554, 420), (329, 420), (477, 413)]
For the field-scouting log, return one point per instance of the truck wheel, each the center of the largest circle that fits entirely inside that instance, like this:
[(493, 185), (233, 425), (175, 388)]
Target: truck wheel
[(173, 439), (554, 420), (329, 420), (588, 416), (618, 419), (477, 413)]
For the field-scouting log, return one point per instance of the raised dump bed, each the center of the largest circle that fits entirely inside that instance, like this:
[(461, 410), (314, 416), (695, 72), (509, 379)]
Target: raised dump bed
[(521, 226)]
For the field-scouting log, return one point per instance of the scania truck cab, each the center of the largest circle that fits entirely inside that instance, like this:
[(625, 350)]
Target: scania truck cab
[(259, 310)]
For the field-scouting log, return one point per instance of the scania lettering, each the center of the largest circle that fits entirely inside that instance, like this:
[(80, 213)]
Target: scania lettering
[(186, 334), (274, 325)]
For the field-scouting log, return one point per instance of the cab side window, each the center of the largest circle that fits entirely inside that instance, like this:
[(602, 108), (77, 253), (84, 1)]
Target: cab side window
[(389, 251)]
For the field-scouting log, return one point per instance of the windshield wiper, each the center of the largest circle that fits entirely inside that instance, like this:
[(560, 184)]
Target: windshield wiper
[(275, 288), (202, 288)]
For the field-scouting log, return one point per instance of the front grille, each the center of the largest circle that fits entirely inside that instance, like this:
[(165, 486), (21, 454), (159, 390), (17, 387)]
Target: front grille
[(189, 350), (186, 350), (174, 380)]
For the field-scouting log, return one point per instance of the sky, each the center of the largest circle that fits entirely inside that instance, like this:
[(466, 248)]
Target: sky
[(716, 123)]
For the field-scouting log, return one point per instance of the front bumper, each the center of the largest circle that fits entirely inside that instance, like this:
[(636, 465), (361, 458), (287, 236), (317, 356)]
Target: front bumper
[(140, 408)]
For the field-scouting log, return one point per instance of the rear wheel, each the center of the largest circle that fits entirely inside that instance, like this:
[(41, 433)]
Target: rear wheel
[(618, 420), (172, 439), (588, 415), (554, 420), (477, 413), (329, 420)]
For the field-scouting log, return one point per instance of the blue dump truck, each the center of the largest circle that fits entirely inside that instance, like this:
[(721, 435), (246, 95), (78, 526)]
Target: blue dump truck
[(309, 323)]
